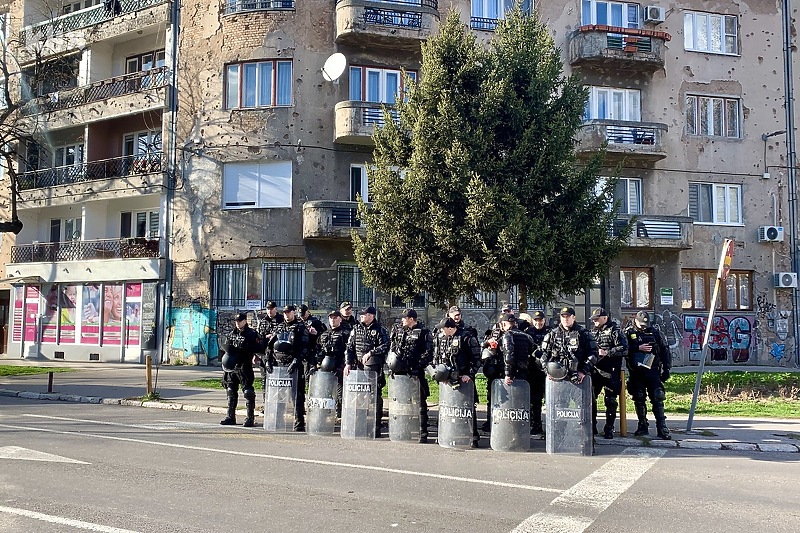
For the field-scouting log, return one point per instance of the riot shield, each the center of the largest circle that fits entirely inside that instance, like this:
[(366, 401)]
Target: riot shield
[(511, 416), (404, 404), (359, 404), (456, 414), (321, 404), (279, 400), (569, 417)]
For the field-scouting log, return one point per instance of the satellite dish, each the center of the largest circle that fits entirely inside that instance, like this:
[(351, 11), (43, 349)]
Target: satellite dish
[(334, 67)]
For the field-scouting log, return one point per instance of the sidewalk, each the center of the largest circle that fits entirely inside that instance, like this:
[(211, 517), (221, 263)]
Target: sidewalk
[(122, 384)]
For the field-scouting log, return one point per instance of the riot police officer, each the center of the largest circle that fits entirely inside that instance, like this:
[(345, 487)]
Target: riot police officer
[(612, 347), (331, 348), (267, 324), (569, 350), (314, 326), (410, 352), (649, 363), (289, 348), (536, 376), (460, 354), (237, 362), (367, 347), (455, 313), (348, 320), (516, 347)]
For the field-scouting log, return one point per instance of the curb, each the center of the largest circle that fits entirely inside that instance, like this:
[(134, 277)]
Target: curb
[(685, 444)]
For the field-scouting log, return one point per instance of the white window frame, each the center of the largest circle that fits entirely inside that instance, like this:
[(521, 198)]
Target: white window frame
[(497, 9), (698, 104), (285, 294), (726, 204), (257, 185), (698, 27), (145, 142), (146, 61), (631, 100), (225, 277), (69, 229), (632, 188), (235, 84), (360, 83), (590, 9), (152, 221), (362, 187)]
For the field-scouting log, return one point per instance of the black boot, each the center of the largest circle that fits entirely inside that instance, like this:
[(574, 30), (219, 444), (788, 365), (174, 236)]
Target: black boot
[(611, 416), (423, 425), (641, 414), (250, 404), (233, 401), (662, 431)]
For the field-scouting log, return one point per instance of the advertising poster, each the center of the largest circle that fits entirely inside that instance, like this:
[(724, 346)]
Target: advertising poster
[(50, 313), (31, 312), (133, 312), (112, 314), (19, 315), (67, 316), (90, 315)]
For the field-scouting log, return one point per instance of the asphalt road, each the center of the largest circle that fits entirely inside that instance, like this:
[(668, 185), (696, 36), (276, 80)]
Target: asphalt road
[(119, 469)]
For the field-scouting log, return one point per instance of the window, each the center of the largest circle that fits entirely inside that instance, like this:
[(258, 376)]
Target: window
[(482, 300), (533, 303), (67, 229), (140, 224), (486, 13), (710, 33), (712, 203), (617, 14), (71, 7), (636, 288), (419, 301), (712, 116), (284, 283), (229, 285), (697, 287), (258, 84), (378, 85), (142, 152), (628, 193), (144, 62), (352, 288), (358, 183), (606, 103), (50, 77), (257, 185)]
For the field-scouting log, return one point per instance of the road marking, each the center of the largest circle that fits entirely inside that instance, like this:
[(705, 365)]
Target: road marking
[(577, 507), (295, 459), (63, 521), (163, 425), (24, 454)]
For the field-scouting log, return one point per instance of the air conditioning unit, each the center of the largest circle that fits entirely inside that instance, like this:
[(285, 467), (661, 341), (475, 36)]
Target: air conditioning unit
[(785, 280), (770, 234), (654, 14)]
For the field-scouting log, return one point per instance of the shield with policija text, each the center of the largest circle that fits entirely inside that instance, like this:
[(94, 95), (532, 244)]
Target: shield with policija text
[(511, 416), (321, 404), (404, 404), (569, 417), (279, 400), (456, 415), (359, 404)]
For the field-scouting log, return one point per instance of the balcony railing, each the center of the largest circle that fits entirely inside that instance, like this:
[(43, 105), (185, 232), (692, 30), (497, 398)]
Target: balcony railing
[(83, 18), (327, 219), (639, 134), (386, 17), (482, 23), (50, 252), (375, 116), (604, 47), (95, 170), (657, 231), (406, 5), (242, 6), (101, 90), (625, 138), (629, 43)]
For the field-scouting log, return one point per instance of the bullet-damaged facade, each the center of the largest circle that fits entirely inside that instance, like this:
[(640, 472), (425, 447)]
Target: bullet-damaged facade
[(258, 196)]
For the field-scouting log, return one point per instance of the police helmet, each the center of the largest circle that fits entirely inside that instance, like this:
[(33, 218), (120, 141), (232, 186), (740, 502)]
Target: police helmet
[(283, 343), (328, 364), (441, 373), (395, 363), (229, 362), (487, 353), (556, 370)]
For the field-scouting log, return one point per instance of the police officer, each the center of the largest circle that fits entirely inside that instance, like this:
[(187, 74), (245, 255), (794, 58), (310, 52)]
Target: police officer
[(331, 348), (536, 376), (612, 347), (314, 327), (568, 351), (367, 347), (460, 353), (240, 348), (649, 362), (516, 347), (411, 350), (455, 313), (267, 325), (289, 347), (348, 320)]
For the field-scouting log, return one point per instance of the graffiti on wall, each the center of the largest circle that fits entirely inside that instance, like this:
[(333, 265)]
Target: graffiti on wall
[(194, 335)]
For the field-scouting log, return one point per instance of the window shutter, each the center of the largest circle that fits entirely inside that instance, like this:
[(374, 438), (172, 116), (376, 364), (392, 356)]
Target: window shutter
[(693, 201), (240, 185), (275, 184)]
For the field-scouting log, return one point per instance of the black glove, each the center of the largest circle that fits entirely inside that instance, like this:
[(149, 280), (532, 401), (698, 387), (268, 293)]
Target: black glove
[(292, 366), (312, 369), (269, 368), (665, 375)]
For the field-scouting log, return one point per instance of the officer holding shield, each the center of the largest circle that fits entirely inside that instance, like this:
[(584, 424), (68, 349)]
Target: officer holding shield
[(237, 362), (289, 347), (367, 347), (331, 348)]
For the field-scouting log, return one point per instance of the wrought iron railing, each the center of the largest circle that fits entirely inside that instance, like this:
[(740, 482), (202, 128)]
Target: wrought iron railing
[(374, 115), (240, 6), (629, 43), (116, 167), (482, 23), (100, 90), (386, 17), (49, 252), (84, 18), (631, 134), (405, 4)]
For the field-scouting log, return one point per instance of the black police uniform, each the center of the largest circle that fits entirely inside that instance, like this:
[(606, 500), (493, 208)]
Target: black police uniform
[(536, 378), (374, 340), (289, 348), (266, 329), (414, 351), (646, 376), (606, 375), (240, 346), (461, 353), (333, 343), (574, 348)]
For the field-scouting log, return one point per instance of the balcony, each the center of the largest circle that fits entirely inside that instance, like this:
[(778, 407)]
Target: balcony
[(614, 48), (395, 24), (658, 231), (330, 220), (642, 141), (231, 7), (356, 121), (79, 261)]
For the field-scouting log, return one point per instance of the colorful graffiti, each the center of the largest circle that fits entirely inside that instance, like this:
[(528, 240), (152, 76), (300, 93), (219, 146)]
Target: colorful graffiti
[(729, 341), (193, 335)]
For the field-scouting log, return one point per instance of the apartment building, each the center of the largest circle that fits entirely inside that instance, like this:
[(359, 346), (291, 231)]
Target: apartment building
[(242, 188)]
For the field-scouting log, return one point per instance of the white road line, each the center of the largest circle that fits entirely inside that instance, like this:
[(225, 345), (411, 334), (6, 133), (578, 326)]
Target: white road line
[(63, 521), (296, 459), (162, 425), (576, 508), (24, 454)]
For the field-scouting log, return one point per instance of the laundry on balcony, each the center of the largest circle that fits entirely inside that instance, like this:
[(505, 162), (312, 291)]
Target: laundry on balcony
[(113, 7)]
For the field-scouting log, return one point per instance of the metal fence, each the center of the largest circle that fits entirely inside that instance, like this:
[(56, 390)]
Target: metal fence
[(94, 170), (239, 6), (482, 23), (629, 43), (345, 217), (49, 252), (374, 115), (386, 17), (631, 134)]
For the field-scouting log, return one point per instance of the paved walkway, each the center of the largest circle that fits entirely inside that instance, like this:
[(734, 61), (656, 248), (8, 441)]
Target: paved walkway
[(123, 384)]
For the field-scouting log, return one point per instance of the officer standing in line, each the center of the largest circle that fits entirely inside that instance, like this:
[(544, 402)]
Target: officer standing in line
[(455, 313), (612, 347), (516, 347), (367, 347), (348, 320), (536, 376), (314, 327), (289, 347), (569, 350), (266, 328), (460, 353), (649, 363), (411, 351), (240, 348), (331, 348)]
